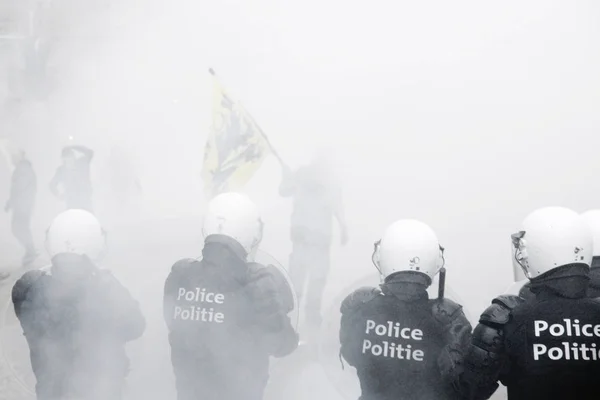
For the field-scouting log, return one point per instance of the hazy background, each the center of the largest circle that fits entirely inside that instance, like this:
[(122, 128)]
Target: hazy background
[(466, 114)]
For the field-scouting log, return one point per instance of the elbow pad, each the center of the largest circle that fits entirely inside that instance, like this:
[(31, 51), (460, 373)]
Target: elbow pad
[(488, 336)]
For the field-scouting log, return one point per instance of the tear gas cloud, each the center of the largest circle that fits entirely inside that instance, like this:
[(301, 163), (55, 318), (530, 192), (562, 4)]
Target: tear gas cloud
[(465, 115)]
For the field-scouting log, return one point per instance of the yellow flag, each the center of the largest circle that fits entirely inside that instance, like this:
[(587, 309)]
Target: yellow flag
[(236, 147)]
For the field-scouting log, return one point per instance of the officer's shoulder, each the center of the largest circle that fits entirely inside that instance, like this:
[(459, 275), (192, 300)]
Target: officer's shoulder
[(26, 281), (499, 312), (30, 277), (184, 264), (261, 274), (444, 310), (255, 268), (360, 297)]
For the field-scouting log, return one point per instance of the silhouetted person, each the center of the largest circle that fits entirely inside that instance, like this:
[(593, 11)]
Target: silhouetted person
[(73, 176), (316, 201), (21, 202)]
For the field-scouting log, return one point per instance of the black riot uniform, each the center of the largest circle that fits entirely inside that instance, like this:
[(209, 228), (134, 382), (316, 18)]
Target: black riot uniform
[(525, 293), (403, 345), (226, 317), (545, 347), (77, 320), (594, 287)]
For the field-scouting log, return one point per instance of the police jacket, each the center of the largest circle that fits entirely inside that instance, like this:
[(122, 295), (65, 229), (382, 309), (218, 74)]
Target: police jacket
[(542, 348), (594, 287), (225, 318), (403, 345), (76, 319)]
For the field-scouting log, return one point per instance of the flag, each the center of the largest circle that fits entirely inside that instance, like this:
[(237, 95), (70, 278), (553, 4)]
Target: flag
[(236, 146)]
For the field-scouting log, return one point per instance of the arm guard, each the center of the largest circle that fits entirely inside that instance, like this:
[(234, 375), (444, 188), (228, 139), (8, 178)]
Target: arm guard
[(456, 336), (273, 326), (486, 357), (125, 312), (350, 309)]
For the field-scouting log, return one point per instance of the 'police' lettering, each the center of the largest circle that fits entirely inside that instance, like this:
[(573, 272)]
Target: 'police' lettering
[(391, 349), (200, 296), (567, 350), (392, 329), (196, 313)]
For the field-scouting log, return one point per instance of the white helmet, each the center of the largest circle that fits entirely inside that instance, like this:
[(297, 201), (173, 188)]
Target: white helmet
[(592, 217), (76, 232), (408, 245), (236, 216), (550, 238)]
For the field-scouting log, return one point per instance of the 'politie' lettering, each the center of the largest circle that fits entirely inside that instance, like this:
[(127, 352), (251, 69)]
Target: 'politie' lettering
[(391, 349), (569, 349)]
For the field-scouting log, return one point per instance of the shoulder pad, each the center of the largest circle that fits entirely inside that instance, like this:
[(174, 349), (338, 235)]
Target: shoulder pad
[(359, 297), (508, 301), (261, 275), (270, 276), (499, 312), (254, 267), (31, 276), (184, 264), (444, 310), (22, 285)]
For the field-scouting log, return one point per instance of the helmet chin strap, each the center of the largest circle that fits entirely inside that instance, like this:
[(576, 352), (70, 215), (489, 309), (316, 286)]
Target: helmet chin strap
[(375, 261)]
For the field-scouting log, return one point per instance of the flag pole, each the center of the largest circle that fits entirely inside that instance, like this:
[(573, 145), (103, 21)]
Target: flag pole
[(262, 133)]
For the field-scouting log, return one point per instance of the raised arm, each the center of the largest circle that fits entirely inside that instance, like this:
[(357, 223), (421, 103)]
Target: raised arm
[(86, 151)]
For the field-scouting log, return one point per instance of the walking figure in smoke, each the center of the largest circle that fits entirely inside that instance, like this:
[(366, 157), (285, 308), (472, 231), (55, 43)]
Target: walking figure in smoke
[(545, 347), (76, 317), (316, 201), (73, 176), (403, 345), (226, 314), (21, 203)]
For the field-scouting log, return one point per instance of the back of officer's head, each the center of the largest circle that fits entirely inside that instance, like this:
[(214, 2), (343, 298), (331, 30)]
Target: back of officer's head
[(550, 238), (409, 245), (76, 233), (235, 216)]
